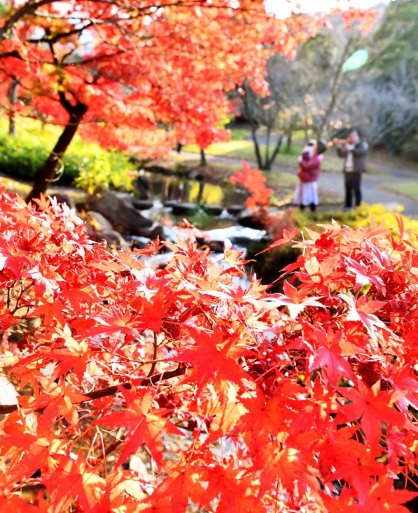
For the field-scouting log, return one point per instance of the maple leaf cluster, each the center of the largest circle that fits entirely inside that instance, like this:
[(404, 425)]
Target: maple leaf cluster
[(146, 389), (254, 181)]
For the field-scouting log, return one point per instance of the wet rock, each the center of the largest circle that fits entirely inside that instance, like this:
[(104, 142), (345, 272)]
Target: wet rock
[(169, 203), (161, 170), (143, 186), (181, 209), (97, 223), (213, 210), (216, 246), (119, 212), (251, 221), (196, 175), (112, 238), (142, 204), (235, 210), (153, 232)]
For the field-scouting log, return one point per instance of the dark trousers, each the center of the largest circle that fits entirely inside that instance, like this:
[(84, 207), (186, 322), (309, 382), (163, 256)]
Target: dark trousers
[(352, 182)]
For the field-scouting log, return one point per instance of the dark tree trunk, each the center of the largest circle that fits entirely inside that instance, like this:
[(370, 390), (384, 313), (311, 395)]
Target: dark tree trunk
[(54, 161), (203, 158), (12, 99), (275, 152), (335, 88), (256, 146), (289, 140), (267, 150)]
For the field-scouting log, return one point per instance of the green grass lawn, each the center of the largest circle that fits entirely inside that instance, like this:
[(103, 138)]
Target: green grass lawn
[(240, 149), (407, 189)]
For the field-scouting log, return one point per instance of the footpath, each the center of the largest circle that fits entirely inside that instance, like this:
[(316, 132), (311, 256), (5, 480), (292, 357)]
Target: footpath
[(374, 185)]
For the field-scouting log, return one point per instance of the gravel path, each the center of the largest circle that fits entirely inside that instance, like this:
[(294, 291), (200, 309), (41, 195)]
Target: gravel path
[(373, 187)]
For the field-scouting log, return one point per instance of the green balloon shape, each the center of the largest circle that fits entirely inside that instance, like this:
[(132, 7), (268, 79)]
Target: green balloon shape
[(356, 60)]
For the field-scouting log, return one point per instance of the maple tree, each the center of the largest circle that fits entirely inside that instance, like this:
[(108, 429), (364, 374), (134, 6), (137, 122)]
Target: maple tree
[(142, 389), (143, 74)]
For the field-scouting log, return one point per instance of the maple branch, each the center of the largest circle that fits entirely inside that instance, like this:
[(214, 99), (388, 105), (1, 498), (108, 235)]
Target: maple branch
[(154, 358), (112, 390), (28, 8), (97, 58), (60, 35), (143, 382), (12, 53)]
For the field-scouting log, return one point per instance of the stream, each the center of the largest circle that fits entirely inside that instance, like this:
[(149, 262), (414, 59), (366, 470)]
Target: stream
[(215, 208)]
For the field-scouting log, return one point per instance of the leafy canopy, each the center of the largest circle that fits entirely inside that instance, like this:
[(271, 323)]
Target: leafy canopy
[(150, 73)]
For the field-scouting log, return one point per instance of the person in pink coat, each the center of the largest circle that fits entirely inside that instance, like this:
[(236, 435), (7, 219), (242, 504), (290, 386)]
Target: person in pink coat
[(306, 194)]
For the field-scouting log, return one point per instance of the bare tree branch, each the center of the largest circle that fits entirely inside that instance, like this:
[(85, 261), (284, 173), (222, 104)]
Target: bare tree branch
[(109, 391)]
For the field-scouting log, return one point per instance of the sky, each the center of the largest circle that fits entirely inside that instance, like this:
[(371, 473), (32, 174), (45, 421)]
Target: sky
[(283, 7)]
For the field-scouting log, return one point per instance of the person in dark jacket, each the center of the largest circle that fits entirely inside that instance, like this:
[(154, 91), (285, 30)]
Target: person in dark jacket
[(353, 150)]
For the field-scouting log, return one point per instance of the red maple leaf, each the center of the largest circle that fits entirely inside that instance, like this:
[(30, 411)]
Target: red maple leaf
[(296, 300), (382, 497), (144, 422), (372, 407), (328, 356)]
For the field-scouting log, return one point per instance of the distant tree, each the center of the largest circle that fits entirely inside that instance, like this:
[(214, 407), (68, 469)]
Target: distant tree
[(304, 91), (285, 108), (395, 41), (265, 111), (386, 109), (394, 70)]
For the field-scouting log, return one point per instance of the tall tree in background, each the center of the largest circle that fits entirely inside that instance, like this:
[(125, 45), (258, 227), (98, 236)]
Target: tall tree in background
[(393, 72), (345, 33), (305, 91), (264, 112), (134, 73), (381, 98)]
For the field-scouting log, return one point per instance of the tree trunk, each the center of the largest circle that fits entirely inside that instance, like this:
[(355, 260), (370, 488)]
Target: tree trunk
[(267, 150), (275, 152), (289, 140), (12, 93), (54, 161), (203, 158), (256, 146)]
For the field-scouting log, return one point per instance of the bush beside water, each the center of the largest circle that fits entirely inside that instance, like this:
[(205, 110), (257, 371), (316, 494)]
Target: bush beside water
[(86, 165)]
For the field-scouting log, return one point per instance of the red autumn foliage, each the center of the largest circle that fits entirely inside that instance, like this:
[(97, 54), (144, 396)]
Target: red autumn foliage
[(137, 74), (222, 396), (254, 181)]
